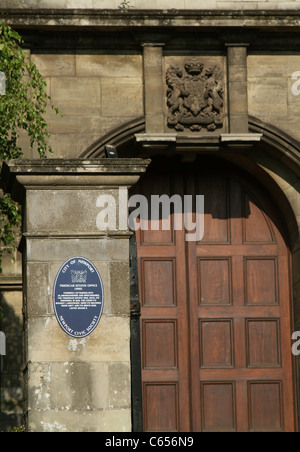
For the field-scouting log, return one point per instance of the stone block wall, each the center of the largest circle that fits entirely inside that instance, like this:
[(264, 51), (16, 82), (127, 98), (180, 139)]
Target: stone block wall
[(72, 384), (94, 91), (78, 384), (273, 89), (153, 4)]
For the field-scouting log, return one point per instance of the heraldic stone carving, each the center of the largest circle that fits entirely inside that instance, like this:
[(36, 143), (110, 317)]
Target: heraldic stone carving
[(195, 96)]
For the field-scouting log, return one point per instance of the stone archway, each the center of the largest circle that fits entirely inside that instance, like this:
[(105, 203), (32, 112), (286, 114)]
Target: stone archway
[(274, 162)]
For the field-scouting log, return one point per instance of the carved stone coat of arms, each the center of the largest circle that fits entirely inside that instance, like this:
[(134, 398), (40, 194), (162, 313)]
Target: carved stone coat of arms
[(195, 96)]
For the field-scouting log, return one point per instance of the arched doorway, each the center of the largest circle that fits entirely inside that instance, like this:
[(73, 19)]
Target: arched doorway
[(216, 315)]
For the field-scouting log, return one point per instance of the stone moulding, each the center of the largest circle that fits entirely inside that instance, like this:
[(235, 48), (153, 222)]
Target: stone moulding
[(127, 133), (67, 17), (20, 175), (118, 137)]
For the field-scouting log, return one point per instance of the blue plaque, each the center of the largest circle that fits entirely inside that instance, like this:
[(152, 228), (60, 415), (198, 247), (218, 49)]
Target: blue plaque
[(78, 297)]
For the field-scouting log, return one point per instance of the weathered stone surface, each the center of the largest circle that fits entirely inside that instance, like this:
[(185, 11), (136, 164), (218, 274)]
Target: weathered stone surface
[(93, 91), (87, 378), (119, 279), (55, 65), (38, 290), (237, 88), (99, 64), (150, 4), (283, 15), (153, 82), (273, 95), (58, 249), (108, 343), (122, 97), (76, 96), (67, 210), (71, 421), (119, 378)]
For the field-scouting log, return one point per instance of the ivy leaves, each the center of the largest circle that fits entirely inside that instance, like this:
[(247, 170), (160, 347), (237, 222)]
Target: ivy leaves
[(25, 101), (21, 108), (10, 222)]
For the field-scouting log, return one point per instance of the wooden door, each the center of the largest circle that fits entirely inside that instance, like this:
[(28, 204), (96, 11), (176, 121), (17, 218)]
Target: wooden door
[(216, 315), (165, 317)]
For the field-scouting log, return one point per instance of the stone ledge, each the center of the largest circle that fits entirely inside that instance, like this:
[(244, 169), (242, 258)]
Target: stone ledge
[(164, 140), (240, 141), (79, 166), (116, 18), (20, 175), (158, 141), (11, 283), (240, 137)]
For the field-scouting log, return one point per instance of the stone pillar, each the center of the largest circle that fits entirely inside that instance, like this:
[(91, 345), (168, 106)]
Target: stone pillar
[(154, 88), (74, 385), (237, 88)]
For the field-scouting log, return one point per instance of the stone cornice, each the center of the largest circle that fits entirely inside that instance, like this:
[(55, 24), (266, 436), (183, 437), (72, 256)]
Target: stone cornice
[(119, 19), (17, 176)]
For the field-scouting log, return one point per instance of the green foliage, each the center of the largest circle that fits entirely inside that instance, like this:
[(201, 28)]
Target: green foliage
[(21, 108), (10, 222), (21, 429), (125, 5), (25, 101)]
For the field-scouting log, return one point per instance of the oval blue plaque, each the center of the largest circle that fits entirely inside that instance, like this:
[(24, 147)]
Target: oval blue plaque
[(78, 297)]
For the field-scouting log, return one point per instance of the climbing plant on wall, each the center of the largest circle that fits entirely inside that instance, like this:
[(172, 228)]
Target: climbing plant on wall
[(23, 104)]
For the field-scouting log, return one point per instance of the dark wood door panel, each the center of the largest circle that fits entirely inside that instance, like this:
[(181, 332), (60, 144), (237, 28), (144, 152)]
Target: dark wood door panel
[(164, 318), (239, 315)]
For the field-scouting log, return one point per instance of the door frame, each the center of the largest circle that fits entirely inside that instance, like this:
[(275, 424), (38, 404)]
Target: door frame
[(137, 407), (135, 340)]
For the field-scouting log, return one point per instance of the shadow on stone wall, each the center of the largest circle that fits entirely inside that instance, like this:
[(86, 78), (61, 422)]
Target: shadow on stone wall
[(11, 378)]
